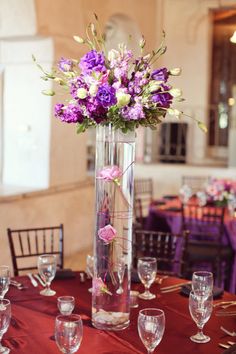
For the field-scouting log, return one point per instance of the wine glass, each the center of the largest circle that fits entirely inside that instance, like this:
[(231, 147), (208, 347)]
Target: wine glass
[(5, 317), (200, 310), (47, 265), (202, 283), (120, 266), (147, 270), (68, 333), (90, 268), (4, 280), (151, 326)]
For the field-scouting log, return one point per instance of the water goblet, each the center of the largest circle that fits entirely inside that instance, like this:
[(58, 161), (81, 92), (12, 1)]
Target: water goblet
[(90, 268), (68, 333), (5, 317), (66, 304), (151, 326), (147, 269), (120, 266), (4, 280), (200, 310), (47, 265), (202, 283)]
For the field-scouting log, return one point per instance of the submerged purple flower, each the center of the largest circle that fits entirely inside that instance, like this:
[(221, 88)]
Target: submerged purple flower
[(65, 64), (92, 61), (134, 112), (69, 114), (106, 95), (160, 74)]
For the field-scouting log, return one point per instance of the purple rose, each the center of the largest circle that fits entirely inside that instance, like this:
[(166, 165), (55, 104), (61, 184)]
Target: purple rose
[(163, 99), (69, 114), (106, 95), (65, 64), (92, 61), (160, 74)]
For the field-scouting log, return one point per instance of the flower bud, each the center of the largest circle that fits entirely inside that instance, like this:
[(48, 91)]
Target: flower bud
[(48, 92), (175, 92), (175, 71), (82, 93), (122, 99), (202, 126), (174, 112), (142, 42), (79, 39), (93, 90), (93, 30), (154, 85)]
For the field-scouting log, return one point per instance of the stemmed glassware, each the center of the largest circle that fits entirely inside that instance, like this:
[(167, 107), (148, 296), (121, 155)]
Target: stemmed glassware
[(147, 270), (47, 266), (200, 310), (90, 268), (202, 283), (68, 333), (4, 281), (151, 326), (5, 317), (120, 266)]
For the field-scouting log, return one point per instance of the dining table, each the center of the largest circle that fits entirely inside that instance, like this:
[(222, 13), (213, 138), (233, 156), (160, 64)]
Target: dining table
[(169, 210), (31, 330)]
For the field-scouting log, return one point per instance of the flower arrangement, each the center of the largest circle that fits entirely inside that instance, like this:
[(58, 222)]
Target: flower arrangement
[(114, 87), (221, 191)]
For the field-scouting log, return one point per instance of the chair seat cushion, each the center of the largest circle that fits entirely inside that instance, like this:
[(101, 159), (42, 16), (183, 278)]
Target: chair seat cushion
[(206, 252)]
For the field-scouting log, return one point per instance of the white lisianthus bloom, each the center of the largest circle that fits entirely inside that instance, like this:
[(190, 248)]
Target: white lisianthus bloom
[(175, 71), (78, 39), (112, 54), (122, 98), (93, 90), (82, 93), (174, 112), (175, 92), (154, 85)]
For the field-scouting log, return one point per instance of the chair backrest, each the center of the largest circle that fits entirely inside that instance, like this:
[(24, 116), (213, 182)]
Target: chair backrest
[(143, 192), (206, 223), (196, 183), (27, 244), (168, 248)]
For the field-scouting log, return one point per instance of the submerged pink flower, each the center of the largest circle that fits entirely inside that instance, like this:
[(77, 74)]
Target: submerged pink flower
[(99, 287), (107, 233), (110, 173)]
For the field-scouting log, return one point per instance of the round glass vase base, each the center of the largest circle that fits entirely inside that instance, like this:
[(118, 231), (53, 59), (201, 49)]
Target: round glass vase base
[(47, 292), (197, 338), (110, 321), (148, 296)]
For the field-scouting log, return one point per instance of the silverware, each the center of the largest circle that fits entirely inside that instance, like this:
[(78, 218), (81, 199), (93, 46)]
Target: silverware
[(33, 281), (226, 346), (224, 304), (159, 279), (232, 334), (40, 279), (175, 286), (170, 290), (17, 285), (225, 313)]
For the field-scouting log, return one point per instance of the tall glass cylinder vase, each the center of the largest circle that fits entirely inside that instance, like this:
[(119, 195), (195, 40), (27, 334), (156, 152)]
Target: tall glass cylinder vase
[(113, 230)]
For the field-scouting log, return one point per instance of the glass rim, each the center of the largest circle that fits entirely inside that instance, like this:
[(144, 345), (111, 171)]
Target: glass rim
[(6, 302), (65, 298), (4, 267), (73, 318), (147, 259), (47, 255), (160, 312), (201, 273)]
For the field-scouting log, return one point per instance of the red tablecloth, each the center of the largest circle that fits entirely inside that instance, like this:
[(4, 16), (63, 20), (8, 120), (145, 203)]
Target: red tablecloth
[(33, 317)]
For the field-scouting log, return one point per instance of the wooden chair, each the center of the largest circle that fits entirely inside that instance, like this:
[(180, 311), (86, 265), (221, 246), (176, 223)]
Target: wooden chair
[(143, 190), (196, 183), (205, 247), (168, 248), (27, 244)]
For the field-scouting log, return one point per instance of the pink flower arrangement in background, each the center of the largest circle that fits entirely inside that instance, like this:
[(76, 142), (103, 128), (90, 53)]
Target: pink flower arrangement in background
[(99, 287), (220, 190), (107, 233)]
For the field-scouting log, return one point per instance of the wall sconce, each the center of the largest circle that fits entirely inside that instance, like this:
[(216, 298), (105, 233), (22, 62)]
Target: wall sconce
[(233, 38)]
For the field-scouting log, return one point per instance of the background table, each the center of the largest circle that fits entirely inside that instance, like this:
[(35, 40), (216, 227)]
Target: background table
[(33, 317)]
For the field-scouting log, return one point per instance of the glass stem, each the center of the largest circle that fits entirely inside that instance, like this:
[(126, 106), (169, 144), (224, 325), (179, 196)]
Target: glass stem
[(200, 331), (147, 289)]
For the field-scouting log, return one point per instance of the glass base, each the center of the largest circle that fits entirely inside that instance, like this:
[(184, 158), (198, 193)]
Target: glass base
[(4, 350), (147, 296), (110, 321), (47, 292), (200, 338)]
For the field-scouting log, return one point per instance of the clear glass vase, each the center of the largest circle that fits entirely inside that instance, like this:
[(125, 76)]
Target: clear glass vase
[(113, 230)]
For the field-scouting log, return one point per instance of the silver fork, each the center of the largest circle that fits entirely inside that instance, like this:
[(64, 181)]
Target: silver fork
[(232, 334)]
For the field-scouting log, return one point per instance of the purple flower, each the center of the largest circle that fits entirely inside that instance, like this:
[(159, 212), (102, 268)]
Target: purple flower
[(75, 84), (107, 233), (106, 95), (134, 112), (160, 74), (163, 99), (69, 114), (92, 61), (65, 65), (95, 110)]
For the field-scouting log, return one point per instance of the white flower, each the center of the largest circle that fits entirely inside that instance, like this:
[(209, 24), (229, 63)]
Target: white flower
[(175, 71), (112, 55), (82, 93), (93, 90), (122, 98), (175, 92), (154, 85), (78, 39), (174, 112)]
